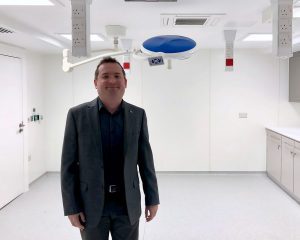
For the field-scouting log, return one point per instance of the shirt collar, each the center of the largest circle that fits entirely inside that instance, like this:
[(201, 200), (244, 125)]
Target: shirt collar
[(101, 105)]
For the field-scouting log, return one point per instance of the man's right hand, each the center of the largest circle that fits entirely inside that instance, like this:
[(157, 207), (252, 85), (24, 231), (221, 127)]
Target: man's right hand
[(75, 220)]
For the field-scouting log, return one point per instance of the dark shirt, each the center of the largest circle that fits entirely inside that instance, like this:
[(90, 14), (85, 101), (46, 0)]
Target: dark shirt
[(112, 136)]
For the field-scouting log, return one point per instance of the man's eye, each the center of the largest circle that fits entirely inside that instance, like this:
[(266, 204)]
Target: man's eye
[(117, 76), (105, 77)]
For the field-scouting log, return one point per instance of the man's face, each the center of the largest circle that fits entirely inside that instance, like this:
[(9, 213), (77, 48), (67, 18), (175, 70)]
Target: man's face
[(110, 82)]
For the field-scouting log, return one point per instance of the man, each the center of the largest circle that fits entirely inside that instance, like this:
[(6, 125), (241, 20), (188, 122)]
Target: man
[(105, 141)]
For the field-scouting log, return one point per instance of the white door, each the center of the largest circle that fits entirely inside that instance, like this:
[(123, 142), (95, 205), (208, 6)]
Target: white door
[(11, 140)]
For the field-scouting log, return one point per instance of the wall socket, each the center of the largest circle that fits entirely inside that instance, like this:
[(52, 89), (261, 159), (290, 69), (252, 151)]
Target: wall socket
[(243, 115), (284, 40), (285, 10), (78, 10), (285, 25)]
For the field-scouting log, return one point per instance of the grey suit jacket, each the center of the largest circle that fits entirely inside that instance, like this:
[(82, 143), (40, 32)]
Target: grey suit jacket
[(82, 172)]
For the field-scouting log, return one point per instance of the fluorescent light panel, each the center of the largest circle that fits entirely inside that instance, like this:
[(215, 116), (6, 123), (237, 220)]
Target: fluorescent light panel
[(94, 37), (258, 37), (26, 2), (50, 41)]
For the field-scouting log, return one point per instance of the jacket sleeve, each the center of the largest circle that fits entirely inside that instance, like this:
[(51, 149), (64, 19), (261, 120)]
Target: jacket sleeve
[(70, 169), (146, 166)]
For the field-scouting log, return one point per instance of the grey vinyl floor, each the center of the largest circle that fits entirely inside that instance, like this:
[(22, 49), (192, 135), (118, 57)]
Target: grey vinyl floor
[(193, 207)]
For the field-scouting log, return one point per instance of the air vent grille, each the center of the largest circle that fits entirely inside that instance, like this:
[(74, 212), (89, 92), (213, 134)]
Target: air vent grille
[(190, 21), (5, 30)]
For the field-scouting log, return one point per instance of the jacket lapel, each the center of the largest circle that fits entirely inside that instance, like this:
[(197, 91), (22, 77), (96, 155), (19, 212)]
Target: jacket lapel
[(93, 113), (129, 123)]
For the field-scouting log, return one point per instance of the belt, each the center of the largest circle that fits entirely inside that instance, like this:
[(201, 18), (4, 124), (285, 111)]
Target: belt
[(113, 189)]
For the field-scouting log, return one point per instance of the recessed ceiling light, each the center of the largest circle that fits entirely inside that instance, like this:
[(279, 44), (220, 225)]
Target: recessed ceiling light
[(296, 12), (26, 3), (94, 37), (258, 37)]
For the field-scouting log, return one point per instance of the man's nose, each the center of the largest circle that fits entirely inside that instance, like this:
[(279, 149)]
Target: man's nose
[(111, 80)]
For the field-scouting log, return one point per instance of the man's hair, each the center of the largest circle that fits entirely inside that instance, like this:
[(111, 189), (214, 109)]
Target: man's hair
[(108, 60)]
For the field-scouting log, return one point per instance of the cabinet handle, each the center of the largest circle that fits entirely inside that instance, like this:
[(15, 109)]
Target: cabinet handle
[(294, 154), (278, 146)]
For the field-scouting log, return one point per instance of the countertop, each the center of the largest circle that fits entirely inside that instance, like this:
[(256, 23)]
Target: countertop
[(293, 133)]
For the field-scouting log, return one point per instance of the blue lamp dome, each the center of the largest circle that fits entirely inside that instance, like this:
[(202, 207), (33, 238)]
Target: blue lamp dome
[(169, 44)]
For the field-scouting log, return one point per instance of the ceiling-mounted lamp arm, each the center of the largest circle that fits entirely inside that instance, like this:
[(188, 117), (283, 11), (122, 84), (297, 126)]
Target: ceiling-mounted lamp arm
[(67, 66)]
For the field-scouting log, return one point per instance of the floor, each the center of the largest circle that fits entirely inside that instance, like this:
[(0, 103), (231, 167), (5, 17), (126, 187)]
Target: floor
[(193, 207)]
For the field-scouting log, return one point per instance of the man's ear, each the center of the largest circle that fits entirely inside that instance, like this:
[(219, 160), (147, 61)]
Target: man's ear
[(95, 83), (125, 82)]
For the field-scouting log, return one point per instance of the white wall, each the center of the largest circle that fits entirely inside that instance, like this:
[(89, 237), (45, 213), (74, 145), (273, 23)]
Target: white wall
[(32, 78), (192, 109), (238, 144), (35, 99), (177, 105)]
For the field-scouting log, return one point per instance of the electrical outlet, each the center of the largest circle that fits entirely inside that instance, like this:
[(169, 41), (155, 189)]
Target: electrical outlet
[(284, 40), (284, 25), (79, 41), (285, 11), (243, 115), (78, 25), (78, 33), (78, 10)]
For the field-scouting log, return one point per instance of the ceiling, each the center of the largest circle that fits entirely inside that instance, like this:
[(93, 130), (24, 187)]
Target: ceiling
[(141, 19)]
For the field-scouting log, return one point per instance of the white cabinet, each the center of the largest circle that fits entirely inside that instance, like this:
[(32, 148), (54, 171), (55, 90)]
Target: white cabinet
[(283, 162), (297, 170), (274, 155), (287, 166)]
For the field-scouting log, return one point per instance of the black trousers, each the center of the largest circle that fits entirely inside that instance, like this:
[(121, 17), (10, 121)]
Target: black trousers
[(114, 220)]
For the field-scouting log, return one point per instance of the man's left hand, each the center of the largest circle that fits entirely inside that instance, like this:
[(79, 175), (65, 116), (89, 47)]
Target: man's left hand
[(150, 212)]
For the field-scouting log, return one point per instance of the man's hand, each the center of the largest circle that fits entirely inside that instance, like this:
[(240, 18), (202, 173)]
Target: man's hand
[(75, 220), (150, 212)]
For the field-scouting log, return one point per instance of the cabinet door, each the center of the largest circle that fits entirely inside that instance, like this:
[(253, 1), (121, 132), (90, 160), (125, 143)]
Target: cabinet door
[(274, 155), (287, 167), (297, 169)]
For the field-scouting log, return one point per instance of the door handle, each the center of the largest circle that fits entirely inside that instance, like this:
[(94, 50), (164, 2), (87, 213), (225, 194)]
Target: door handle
[(21, 126)]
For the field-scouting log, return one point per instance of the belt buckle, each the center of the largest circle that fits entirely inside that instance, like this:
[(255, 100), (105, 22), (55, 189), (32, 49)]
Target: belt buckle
[(112, 188)]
